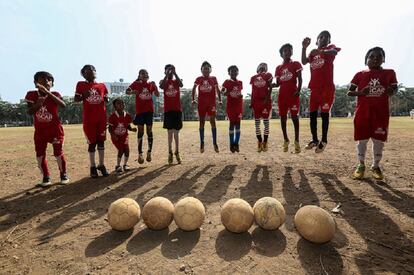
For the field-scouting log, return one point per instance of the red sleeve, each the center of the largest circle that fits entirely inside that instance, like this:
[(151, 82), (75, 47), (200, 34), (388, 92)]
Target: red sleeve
[(332, 46), (214, 80), (241, 85), (105, 90), (298, 67), (111, 119), (134, 86), (252, 80), (393, 78), (197, 81), (269, 77), (78, 89), (277, 72), (57, 95), (31, 97), (153, 87), (225, 84), (356, 79)]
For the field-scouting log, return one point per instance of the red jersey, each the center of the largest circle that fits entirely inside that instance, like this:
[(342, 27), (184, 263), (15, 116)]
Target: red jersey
[(120, 123), (286, 74), (94, 108), (206, 90), (234, 96), (143, 98), (260, 86), (321, 68), (172, 95), (47, 115)]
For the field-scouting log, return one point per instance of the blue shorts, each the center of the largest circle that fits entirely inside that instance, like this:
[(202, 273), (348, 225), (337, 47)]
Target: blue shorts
[(143, 119)]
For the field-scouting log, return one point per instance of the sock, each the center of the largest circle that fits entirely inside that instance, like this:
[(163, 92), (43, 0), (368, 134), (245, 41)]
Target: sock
[(258, 132), (266, 129), (231, 134), (170, 138), (150, 140), (265, 137), (237, 136), (314, 125), (101, 155), (283, 125), (201, 130), (92, 158), (214, 134), (42, 164), (139, 140), (377, 147), (177, 143), (325, 126), (295, 120), (126, 156), (362, 149), (61, 161), (119, 158)]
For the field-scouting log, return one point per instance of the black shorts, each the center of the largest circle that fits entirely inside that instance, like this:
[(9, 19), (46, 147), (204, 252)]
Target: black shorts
[(143, 118), (173, 120)]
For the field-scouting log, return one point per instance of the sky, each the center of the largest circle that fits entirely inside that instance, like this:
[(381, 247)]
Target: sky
[(119, 37)]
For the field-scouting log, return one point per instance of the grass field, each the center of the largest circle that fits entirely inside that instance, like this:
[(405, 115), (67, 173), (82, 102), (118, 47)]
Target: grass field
[(63, 229)]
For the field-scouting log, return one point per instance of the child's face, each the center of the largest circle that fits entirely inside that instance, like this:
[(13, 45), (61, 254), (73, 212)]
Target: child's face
[(323, 40), (143, 75), (375, 60), (262, 68), (46, 82), (233, 73), (170, 71), (286, 53), (89, 74), (119, 106), (206, 70)]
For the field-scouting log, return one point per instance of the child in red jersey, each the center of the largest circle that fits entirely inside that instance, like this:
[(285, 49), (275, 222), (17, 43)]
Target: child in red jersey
[(144, 110), (119, 123), (171, 85), (373, 87), (289, 78), (94, 96), (321, 85), (207, 90), (261, 102), (232, 88), (43, 105)]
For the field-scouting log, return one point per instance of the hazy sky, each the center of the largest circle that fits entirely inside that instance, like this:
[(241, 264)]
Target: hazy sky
[(121, 36)]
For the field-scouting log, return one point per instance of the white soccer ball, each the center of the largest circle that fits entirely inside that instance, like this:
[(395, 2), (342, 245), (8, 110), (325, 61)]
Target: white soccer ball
[(123, 214), (269, 213), (189, 214), (158, 213), (237, 215)]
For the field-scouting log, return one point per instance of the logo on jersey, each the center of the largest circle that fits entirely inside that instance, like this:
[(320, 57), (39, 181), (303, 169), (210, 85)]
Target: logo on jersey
[(375, 88), (286, 75), (205, 87), (325, 106), (43, 115), (317, 62), (294, 108), (171, 91), (259, 82), (380, 131), (120, 129), (235, 92), (265, 111), (145, 94), (94, 97)]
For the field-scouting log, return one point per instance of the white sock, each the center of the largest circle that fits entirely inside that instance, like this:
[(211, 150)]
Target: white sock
[(101, 154), (125, 160), (177, 143), (362, 149), (92, 158), (377, 147)]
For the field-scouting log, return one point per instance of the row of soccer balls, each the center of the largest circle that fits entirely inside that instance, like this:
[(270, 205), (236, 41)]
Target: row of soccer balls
[(312, 222)]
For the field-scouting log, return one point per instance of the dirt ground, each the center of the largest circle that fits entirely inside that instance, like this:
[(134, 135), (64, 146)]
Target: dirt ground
[(63, 229)]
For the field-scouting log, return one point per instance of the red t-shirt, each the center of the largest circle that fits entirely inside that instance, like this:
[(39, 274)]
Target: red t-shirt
[(47, 115), (120, 123), (260, 86), (143, 98), (94, 107), (287, 74), (234, 99), (206, 90), (172, 95), (378, 82), (321, 67)]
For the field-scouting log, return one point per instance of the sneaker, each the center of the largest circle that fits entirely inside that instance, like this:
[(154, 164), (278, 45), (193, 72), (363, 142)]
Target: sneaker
[(118, 169), (236, 148), (264, 146), (297, 147), (216, 148), (45, 182), (232, 149), (359, 172), (259, 146), (126, 167), (149, 156), (321, 147), (64, 179), (286, 146), (170, 158), (94, 172), (140, 158), (103, 170), (311, 145), (377, 173), (202, 148), (177, 157)]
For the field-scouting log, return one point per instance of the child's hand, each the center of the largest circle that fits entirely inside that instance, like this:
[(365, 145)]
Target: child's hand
[(390, 90), (41, 88), (86, 94), (306, 42), (240, 96), (134, 129), (365, 91)]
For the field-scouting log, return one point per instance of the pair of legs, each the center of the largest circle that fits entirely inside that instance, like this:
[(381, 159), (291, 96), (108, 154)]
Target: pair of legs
[(125, 153), (262, 142), (100, 145), (140, 136), (295, 120), (234, 136), (314, 126), (213, 132), (377, 148), (42, 161), (173, 134)]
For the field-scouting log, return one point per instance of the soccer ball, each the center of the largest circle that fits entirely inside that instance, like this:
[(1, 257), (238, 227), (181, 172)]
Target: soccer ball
[(315, 224), (237, 215), (269, 213), (123, 214), (189, 213), (158, 213)]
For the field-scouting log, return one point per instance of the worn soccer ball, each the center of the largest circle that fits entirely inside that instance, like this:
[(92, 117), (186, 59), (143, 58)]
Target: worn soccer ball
[(315, 224), (123, 214), (269, 213), (237, 215), (158, 213), (189, 214)]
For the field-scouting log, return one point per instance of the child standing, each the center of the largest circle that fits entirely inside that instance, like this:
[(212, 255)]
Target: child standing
[(261, 102), (43, 105), (232, 88), (119, 123), (171, 85), (289, 78), (144, 110), (207, 90), (94, 96), (321, 85), (373, 87)]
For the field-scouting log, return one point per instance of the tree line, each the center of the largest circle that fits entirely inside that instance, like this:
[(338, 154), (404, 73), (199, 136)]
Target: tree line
[(15, 114)]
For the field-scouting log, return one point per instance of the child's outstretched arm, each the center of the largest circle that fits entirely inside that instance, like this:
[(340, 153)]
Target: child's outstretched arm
[(131, 129), (179, 80), (392, 89), (352, 91), (56, 99), (129, 91), (305, 44)]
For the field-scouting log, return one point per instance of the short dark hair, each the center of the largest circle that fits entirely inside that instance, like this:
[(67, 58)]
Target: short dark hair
[(205, 63), (168, 66), (232, 67), (87, 66), (381, 50), (325, 32), (287, 45), (43, 74), (118, 99)]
